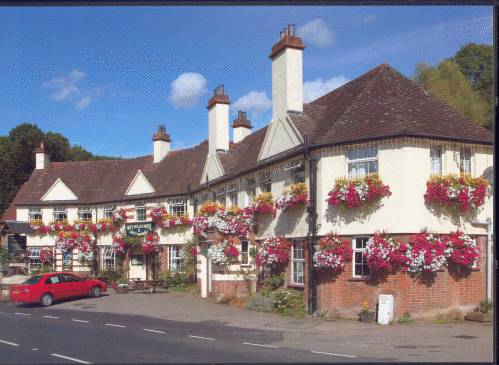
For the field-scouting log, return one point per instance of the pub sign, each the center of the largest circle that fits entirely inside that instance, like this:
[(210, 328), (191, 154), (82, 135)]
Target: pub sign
[(138, 229)]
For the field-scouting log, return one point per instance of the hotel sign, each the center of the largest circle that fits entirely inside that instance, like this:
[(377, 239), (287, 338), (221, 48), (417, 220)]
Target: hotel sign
[(138, 229)]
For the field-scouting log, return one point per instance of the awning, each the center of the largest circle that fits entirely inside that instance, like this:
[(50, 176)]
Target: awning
[(17, 227)]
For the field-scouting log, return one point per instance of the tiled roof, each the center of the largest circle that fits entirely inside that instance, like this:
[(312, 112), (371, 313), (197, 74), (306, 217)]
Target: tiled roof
[(380, 103)]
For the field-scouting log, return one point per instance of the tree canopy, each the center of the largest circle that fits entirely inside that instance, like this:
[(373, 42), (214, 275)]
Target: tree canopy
[(17, 159), (463, 81)]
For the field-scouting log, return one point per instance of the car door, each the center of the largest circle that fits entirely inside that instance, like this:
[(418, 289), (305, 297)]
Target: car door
[(56, 286), (79, 286), (71, 284)]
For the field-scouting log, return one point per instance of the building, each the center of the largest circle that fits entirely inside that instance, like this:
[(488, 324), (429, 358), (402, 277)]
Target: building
[(380, 122)]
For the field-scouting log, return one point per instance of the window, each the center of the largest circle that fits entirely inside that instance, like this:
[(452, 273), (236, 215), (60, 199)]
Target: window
[(85, 214), (221, 199), (175, 257), (60, 215), (360, 268), (67, 261), (67, 278), (108, 212), (362, 162), (297, 262), (233, 198), (436, 159), (299, 176), (140, 213), (465, 161), (54, 280), (108, 258), (34, 262), (177, 207), (35, 214), (244, 252), (265, 182), (250, 190)]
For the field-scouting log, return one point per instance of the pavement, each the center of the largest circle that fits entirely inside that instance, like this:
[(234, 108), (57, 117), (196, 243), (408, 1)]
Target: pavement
[(192, 329)]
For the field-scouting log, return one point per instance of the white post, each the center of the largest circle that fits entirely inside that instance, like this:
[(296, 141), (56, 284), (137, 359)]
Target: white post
[(489, 260)]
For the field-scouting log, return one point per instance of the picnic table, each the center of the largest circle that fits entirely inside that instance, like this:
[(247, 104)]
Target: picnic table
[(149, 285)]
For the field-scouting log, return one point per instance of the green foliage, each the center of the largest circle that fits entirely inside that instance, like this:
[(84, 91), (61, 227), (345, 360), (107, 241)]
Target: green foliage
[(17, 159), (289, 302), (4, 255), (132, 241), (272, 283), (405, 318), (189, 261), (176, 280), (484, 306), (109, 274), (260, 303), (476, 63)]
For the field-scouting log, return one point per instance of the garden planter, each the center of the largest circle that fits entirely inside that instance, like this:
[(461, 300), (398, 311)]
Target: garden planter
[(366, 317), (479, 317)]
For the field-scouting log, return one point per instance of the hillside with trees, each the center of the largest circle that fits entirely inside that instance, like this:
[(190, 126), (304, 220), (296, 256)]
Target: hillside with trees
[(17, 159), (464, 81)]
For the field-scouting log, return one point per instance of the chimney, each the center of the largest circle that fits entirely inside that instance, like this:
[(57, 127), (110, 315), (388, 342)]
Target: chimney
[(218, 121), (41, 157), (287, 73), (161, 142), (242, 127)]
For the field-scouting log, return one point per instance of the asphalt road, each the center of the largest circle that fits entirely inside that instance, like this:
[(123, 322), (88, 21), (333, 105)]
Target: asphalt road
[(30, 334)]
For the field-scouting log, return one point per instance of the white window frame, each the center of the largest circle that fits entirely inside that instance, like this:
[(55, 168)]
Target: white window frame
[(245, 254), (58, 211), (108, 256), (355, 249), (108, 212), (298, 176), (175, 261), (233, 201), (465, 164), (297, 260), (250, 186), (35, 214), (362, 160), (436, 153), (85, 211), (178, 207), (137, 207), (34, 258)]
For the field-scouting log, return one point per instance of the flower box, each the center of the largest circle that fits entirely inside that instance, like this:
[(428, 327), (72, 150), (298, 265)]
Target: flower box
[(262, 204), (292, 196)]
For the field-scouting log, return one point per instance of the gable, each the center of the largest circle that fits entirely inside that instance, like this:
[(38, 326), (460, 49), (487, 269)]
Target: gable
[(140, 185), (59, 192), (281, 136), (212, 169)]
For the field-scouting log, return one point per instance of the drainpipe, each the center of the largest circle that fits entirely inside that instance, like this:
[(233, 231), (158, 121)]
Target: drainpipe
[(488, 223), (312, 227)]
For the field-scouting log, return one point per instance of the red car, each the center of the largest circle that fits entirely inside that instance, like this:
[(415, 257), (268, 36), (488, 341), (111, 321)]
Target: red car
[(47, 288)]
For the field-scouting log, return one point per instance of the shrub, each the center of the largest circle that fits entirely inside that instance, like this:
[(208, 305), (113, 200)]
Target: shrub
[(405, 318), (4, 255), (110, 275), (484, 306), (289, 302), (272, 283), (260, 303), (175, 280)]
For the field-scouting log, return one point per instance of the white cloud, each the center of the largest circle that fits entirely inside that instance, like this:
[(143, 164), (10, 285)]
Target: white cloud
[(364, 18), (254, 102), (316, 33), (314, 89), (186, 89), (83, 102)]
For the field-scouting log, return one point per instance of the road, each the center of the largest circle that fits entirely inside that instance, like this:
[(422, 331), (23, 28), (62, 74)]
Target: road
[(30, 334)]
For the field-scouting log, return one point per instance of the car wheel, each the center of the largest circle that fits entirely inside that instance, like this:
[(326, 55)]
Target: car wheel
[(46, 300), (95, 292)]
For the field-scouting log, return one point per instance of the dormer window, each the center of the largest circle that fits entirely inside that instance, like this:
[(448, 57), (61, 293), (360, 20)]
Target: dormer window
[(362, 162), (85, 214), (60, 215)]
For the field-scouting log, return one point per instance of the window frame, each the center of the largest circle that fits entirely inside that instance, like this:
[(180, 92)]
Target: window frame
[(33, 212), (350, 161), (106, 259), (58, 211), (137, 207), (108, 212), (462, 152), (245, 254), (362, 250), (173, 208), (177, 259), (82, 211), (250, 186), (297, 260), (439, 157), (34, 259)]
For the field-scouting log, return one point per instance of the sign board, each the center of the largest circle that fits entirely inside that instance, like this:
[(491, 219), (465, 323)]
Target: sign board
[(16, 244), (138, 229)]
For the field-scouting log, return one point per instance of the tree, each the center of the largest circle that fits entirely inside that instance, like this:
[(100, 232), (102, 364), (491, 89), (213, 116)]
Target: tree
[(447, 82)]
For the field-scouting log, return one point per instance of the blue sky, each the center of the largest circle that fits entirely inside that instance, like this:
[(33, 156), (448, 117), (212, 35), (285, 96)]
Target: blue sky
[(106, 76)]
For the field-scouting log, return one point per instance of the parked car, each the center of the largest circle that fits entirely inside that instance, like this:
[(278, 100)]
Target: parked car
[(47, 288)]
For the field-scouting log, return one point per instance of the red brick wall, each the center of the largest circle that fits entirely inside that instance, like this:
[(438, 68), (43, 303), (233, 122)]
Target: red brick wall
[(229, 288), (345, 294)]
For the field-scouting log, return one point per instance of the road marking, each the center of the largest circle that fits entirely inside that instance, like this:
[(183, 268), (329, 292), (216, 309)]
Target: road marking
[(80, 320), (202, 338), (257, 344), (22, 314), (9, 343), (330, 353), (35, 349), (71, 358), (51, 317), (114, 325), (156, 331)]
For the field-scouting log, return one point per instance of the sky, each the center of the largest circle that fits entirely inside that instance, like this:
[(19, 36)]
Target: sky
[(105, 77)]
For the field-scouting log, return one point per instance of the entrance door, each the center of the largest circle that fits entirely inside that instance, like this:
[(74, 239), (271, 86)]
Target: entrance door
[(138, 267)]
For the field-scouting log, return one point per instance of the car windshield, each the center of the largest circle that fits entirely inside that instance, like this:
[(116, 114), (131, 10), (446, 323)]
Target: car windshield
[(33, 280)]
